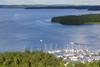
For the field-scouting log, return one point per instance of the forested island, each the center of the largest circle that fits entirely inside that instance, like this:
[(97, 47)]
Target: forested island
[(77, 20)]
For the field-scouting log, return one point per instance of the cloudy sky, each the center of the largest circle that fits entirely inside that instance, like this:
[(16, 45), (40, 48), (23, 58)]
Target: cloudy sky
[(67, 2)]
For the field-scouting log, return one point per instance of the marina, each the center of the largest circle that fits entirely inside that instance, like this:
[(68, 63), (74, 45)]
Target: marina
[(70, 54), (76, 55), (73, 55)]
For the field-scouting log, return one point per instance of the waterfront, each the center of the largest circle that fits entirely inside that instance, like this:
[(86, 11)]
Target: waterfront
[(21, 28), (76, 55), (82, 54)]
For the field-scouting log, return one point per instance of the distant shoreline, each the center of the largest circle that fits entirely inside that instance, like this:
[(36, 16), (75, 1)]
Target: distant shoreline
[(88, 7)]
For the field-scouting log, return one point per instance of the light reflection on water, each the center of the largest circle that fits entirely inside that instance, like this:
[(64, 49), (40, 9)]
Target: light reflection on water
[(19, 28)]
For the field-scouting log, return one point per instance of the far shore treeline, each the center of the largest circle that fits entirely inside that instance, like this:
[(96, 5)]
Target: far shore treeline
[(77, 20), (41, 6)]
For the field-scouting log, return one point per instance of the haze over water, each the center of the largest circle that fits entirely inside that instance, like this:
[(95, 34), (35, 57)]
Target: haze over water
[(21, 28)]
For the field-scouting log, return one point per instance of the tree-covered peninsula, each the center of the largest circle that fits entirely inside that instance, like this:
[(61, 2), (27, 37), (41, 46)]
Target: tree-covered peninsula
[(77, 20)]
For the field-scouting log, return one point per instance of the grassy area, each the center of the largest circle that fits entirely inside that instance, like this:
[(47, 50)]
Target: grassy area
[(86, 64), (92, 23), (77, 20)]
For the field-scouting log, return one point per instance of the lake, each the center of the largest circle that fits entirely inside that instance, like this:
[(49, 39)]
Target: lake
[(32, 29)]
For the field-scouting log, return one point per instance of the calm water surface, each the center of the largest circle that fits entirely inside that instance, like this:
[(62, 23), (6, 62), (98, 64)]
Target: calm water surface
[(20, 28)]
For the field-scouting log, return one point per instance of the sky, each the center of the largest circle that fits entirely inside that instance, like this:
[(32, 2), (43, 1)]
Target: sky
[(50, 2)]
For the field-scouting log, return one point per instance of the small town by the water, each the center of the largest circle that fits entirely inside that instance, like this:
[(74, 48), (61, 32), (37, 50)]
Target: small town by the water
[(81, 54)]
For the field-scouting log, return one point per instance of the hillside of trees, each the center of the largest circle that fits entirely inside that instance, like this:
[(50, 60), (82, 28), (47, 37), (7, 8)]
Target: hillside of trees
[(38, 59), (77, 20), (28, 59)]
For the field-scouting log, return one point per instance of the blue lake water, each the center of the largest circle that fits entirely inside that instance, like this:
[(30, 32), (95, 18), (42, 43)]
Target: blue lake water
[(20, 28)]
